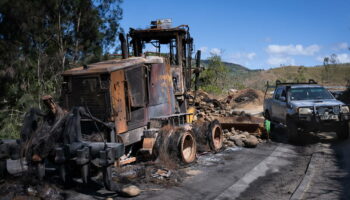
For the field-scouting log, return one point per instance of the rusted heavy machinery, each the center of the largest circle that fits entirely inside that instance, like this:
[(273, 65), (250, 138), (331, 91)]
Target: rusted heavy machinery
[(119, 109)]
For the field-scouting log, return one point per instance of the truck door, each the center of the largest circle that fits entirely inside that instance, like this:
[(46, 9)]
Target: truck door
[(275, 104), (281, 105)]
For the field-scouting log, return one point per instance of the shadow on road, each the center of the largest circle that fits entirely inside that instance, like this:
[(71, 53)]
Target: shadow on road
[(333, 178), (279, 135)]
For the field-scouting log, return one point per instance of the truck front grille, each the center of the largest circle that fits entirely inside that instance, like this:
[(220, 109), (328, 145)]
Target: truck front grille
[(328, 109)]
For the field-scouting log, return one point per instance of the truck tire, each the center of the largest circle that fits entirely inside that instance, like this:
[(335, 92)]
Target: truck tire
[(292, 130), (343, 131), (267, 115)]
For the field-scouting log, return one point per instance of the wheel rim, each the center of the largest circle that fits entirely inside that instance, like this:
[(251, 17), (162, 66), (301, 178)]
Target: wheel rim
[(217, 137), (188, 148)]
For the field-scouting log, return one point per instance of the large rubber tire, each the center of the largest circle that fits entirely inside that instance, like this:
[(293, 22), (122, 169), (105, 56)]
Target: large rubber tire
[(187, 147), (343, 131), (292, 131), (215, 136)]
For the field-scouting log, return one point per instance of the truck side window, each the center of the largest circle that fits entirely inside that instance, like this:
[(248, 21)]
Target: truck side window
[(278, 93), (283, 93)]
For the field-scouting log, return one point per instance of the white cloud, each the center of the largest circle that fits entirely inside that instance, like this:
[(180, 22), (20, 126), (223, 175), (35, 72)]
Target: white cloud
[(204, 49), (293, 49), (244, 56), (343, 58), (341, 46), (280, 60), (215, 51)]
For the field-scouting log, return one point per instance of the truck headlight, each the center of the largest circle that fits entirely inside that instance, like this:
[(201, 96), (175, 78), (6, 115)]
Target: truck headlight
[(344, 109), (305, 111)]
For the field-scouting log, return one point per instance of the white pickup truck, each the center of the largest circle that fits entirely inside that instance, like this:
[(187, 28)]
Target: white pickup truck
[(307, 107)]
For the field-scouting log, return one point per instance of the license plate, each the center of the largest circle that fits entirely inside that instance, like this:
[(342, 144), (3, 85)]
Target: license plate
[(329, 117)]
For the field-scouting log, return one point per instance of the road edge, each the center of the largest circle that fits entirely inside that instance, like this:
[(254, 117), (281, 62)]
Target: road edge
[(309, 173)]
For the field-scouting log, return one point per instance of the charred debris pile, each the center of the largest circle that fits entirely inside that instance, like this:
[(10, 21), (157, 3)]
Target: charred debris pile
[(240, 129)]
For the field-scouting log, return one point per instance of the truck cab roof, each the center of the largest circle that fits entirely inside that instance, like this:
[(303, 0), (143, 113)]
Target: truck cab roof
[(306, 86)]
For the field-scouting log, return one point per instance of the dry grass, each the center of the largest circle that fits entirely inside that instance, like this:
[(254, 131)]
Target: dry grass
[(337, 75)]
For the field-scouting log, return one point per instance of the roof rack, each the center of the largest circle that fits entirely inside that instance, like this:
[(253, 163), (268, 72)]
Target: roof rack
[(311, 81)]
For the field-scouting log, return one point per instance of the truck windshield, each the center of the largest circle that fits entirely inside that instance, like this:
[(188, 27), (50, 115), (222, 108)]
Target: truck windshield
[(309, 93)]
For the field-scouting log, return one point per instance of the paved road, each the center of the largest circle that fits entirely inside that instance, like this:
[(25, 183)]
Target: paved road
[(317, 169)]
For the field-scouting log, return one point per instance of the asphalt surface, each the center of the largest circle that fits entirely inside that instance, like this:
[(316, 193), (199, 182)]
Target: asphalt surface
[(316, 168), (273, 170)]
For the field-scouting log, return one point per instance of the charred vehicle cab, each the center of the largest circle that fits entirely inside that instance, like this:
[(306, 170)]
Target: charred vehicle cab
[(307, 107)]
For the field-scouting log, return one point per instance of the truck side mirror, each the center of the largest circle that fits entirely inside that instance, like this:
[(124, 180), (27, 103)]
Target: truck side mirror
[(282, 99)]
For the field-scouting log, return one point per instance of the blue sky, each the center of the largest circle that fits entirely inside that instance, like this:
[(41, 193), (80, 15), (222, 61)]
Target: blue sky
[(255, 33)]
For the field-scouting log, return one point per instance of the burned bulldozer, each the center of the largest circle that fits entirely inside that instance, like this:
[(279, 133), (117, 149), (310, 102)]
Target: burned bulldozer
[(113, 111)]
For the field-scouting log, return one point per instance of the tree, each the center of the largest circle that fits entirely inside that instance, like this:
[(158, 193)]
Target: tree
[(41, 38), (333, 59), (215, 77), (301, 74)]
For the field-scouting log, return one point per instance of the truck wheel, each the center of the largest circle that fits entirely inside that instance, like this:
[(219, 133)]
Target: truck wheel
[(292, 131), (267, 115), (343, 131)]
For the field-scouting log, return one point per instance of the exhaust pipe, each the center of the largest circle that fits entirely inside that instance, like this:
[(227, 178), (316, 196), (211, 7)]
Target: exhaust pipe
[(123, 46)]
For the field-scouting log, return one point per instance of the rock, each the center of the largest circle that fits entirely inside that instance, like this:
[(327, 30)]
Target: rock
[(230, 144), (228, 134), (235, 112), (130, 191), (246, 134), (233, 138), (255, 134), (31, 191), (239, 142), (240, 137), (200, 115), (251, 142)]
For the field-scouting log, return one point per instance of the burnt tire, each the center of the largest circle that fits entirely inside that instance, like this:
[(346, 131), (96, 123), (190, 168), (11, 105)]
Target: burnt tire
[(344, 131), (292, 131), (187, 147), (175, 145), (215, 136)]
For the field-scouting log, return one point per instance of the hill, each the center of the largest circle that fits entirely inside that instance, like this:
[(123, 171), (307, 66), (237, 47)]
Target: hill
[(243, 77), (234, 68), (338, 74)]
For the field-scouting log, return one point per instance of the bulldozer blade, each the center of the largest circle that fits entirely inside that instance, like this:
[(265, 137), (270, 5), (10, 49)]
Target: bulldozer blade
[(250, 124)]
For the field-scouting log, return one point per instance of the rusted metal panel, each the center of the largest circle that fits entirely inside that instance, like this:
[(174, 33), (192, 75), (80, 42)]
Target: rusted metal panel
[(161, 94), (104, 67), (136, 85), (131, 136), (117, 88)]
